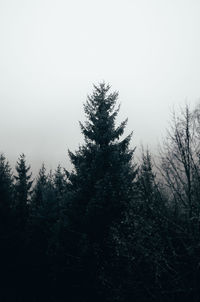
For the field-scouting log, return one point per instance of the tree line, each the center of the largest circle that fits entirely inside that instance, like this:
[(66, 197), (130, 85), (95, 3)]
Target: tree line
[(111, 229)]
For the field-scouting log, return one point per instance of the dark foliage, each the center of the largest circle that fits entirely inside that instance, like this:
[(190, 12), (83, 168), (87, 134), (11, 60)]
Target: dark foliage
[(109, 230)]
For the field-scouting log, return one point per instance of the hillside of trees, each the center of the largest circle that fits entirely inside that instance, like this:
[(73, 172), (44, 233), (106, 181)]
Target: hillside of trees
[(112, 229)]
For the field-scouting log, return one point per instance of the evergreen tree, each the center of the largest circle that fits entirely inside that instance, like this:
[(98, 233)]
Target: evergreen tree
[(151, 196), (43, 217), (6, 223), (23, 186), (39, 189), (146, 176), (6, 188), (60, 184), (150, 233), (101, 187)]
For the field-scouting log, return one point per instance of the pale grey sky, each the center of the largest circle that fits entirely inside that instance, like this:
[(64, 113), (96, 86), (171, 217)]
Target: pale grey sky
[(52, 51)]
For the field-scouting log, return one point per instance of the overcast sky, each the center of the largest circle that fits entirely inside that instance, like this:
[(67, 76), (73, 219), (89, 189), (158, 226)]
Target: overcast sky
[(51, 52)]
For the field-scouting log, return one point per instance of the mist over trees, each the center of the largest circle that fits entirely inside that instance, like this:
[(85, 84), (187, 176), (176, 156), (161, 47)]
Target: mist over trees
[(111, 229)]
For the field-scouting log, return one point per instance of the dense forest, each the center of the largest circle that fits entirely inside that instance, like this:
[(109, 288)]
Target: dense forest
[(112, 228)]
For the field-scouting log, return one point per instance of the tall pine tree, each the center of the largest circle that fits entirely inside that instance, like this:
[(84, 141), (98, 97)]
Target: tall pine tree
[(102, 186)]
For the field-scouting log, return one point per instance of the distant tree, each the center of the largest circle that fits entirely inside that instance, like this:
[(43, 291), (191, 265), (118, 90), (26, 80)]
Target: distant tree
[(152, 228), (102, 186), (146, 178), (6, 188), (39, 189), (44, 214), (61, 185)]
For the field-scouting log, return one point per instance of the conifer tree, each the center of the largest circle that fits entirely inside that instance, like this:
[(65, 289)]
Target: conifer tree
[(151, 194), (7, 228), (60, 184), (45, 207), (42, 220), (6, 201), (146, 176), (101, 184), (23, 186), (6, 188), (39, 188), (103, 172)]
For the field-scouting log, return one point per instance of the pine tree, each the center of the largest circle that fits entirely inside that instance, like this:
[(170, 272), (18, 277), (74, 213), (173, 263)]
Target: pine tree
[(6, 203), (23, 186), (102, 185), (43, 217), (103, 171), (60, 184), (150, 190), (7, 230), (45, 207), (39, 189), (6, 188), (146, 176)]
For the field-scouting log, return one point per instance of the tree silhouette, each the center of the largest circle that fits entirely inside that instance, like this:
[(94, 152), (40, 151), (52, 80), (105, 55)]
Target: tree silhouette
[(101, 186), (23, 185)]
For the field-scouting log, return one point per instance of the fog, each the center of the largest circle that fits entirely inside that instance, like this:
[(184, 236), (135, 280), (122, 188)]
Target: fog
[(51, 52)]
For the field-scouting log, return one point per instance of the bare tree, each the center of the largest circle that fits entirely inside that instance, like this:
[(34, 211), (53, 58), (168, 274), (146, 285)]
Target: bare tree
[(180, 161)]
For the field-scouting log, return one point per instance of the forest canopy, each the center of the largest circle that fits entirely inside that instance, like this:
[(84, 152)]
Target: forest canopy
[(112, 228)]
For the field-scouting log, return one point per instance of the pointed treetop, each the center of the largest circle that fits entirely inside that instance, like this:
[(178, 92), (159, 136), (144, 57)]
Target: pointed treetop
[(101, 114)]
